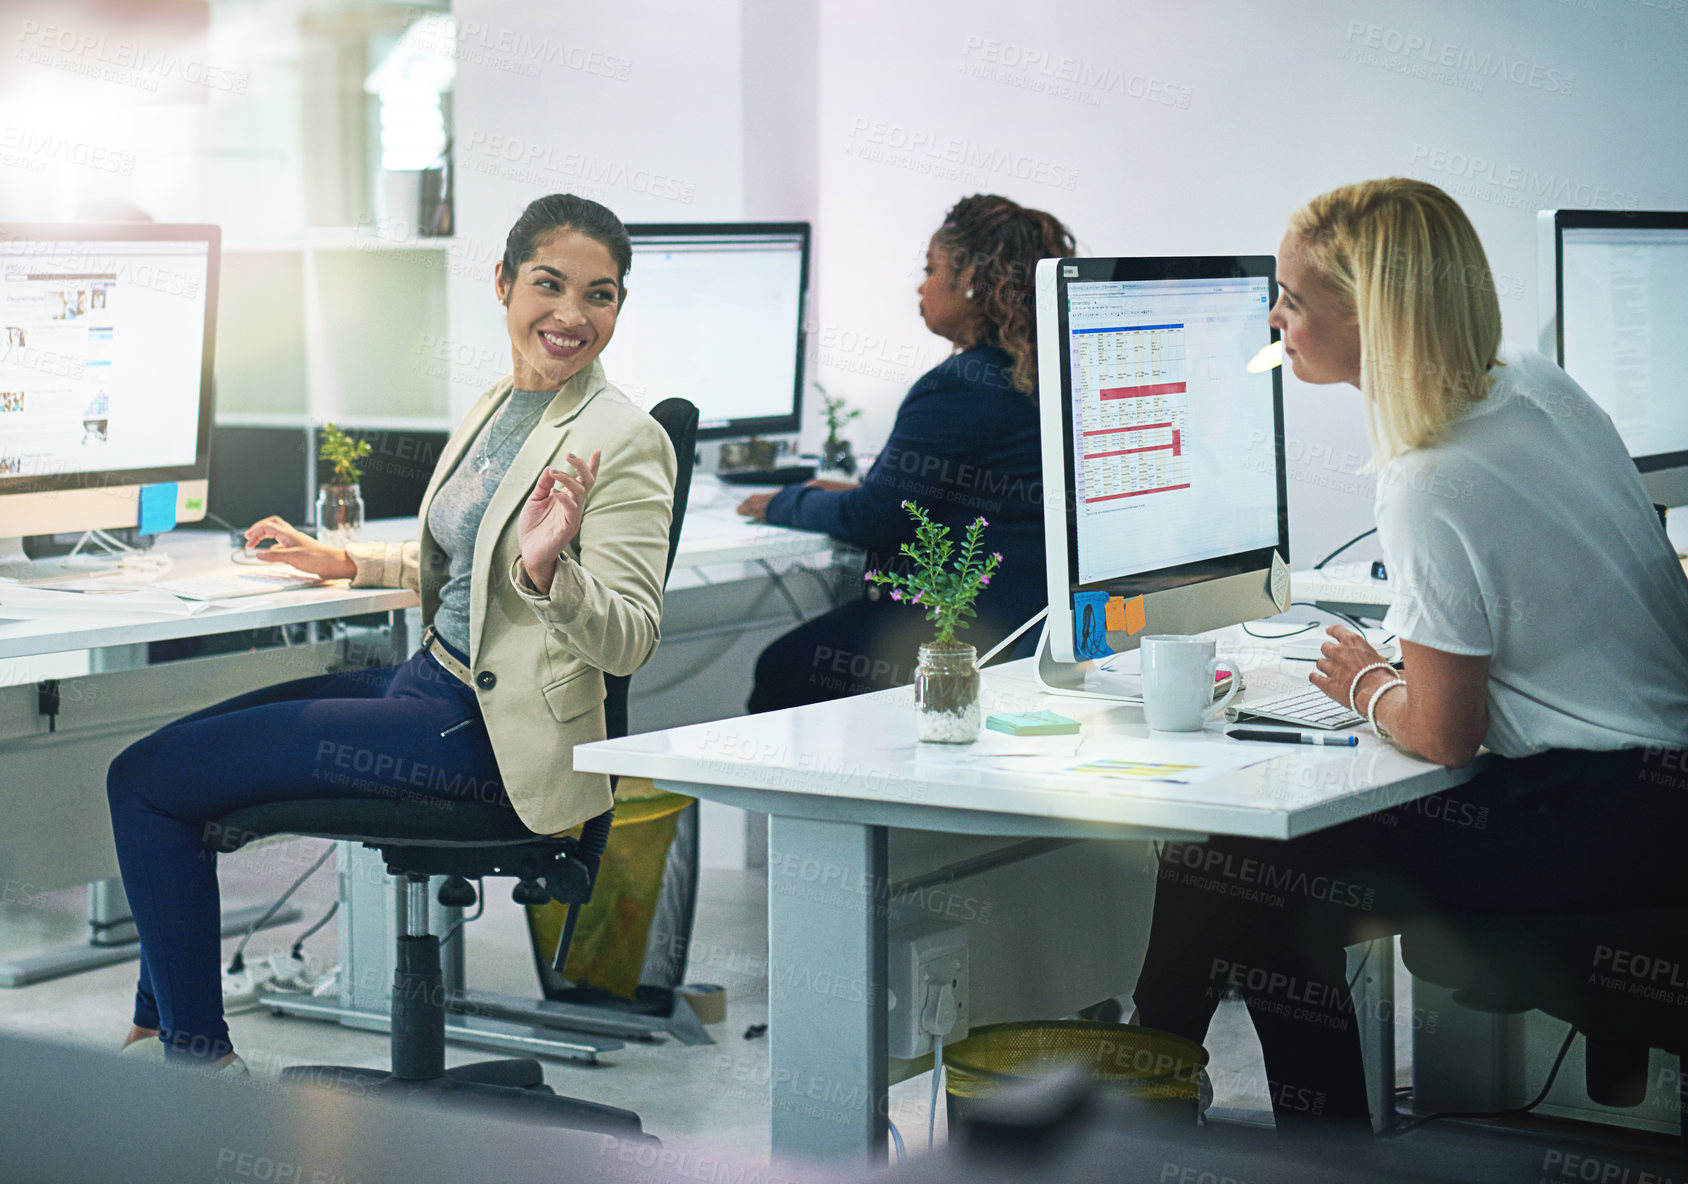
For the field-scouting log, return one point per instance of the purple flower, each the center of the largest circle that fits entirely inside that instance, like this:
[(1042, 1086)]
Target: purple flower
[(982, 521), (895, 594), (917, 597), (868, 577), (997, 555), (985, 580)]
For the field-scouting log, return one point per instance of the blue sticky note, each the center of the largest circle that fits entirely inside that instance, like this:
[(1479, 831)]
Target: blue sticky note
[(158, 508), (1090, 625)]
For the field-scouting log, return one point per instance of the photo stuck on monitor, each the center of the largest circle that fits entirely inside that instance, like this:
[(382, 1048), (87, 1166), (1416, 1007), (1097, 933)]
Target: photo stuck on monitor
[(1163, 457), (105, 371), (714, 314)]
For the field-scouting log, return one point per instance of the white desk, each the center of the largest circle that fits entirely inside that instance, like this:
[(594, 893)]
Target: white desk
[(52, 794), (1344, 587), (835, 776), (715, 534), (197, 553)]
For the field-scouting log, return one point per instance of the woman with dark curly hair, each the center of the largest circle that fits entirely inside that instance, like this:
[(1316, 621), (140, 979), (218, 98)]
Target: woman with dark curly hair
[(965, 444)]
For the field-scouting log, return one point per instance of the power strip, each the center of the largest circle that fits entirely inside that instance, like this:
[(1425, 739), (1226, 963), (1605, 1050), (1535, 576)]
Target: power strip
[(284, 973), (241, 990)]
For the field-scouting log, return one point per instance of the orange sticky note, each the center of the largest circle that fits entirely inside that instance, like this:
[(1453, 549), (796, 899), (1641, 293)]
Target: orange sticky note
[(1135, 619), (1114, 614)]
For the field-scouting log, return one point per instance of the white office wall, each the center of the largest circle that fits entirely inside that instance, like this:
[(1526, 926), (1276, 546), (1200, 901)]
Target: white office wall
[(1196, 127), (637, 105)]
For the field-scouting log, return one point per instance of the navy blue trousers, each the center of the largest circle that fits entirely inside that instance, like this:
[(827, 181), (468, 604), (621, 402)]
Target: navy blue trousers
[(411, 732)]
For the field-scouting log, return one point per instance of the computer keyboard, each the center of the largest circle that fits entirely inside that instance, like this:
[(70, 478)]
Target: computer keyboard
[(228, 585), (1311, 708), (784, 475)]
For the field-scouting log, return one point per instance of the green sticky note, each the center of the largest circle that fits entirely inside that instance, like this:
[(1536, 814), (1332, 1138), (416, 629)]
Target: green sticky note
[(195, 504), (1032, 723)]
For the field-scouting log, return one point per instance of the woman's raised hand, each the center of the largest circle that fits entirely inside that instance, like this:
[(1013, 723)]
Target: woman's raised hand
[(297, 549), (551, 516)]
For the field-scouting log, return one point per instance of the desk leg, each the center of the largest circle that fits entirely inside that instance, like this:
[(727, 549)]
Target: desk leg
[(826, 989), (1374, 1007), (113, 938)]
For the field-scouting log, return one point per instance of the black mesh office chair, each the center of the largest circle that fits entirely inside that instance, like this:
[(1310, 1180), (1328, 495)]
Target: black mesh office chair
[(470, 841)]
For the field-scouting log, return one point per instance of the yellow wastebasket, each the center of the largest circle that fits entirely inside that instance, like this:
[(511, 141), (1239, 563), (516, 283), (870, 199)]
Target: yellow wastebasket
[(1148, 1073)]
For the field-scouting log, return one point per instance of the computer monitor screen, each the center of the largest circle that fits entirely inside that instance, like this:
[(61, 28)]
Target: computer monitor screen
[(1620, 289), (1163, 457), (714, 314), (105, 371)]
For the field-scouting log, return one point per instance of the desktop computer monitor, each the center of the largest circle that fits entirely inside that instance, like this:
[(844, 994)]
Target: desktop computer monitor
[(105, 372), (1163, 456), (714, 314), (1613, 289)]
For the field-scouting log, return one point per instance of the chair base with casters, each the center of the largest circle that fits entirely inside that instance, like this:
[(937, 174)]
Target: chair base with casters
[(483, 840)]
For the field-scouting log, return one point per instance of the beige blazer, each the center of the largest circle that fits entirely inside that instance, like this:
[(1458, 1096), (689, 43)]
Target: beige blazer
[(539, 661)]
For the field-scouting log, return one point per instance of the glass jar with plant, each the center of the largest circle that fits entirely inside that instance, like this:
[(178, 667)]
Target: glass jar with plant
[(946, 681), (837, 457), (339, 510)]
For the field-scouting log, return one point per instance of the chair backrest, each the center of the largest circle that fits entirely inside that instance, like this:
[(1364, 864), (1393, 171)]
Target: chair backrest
[(678, 418)]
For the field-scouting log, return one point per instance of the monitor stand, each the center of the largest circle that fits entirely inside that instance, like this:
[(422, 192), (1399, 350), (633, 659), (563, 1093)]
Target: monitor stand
[(1086, 680), (16, 565)]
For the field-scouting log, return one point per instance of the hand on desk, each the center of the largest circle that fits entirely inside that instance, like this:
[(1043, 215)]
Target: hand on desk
[(756, 505), (297, 549)]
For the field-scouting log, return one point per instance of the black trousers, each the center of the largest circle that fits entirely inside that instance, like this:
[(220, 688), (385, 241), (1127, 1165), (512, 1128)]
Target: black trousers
[(1559, 831)]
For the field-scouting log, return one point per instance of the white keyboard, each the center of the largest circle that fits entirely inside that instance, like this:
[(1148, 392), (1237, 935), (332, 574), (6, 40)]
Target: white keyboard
[(1311, 708), (228, 585)]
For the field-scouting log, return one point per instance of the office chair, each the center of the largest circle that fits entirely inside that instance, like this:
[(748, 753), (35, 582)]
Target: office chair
[(1566, 966), (472, 840)]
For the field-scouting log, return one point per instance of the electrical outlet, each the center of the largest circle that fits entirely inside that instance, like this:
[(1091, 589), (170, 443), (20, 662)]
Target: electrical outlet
[(928, 980)]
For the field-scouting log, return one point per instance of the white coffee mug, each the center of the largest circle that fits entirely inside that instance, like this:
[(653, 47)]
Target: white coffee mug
[(1178, 677)]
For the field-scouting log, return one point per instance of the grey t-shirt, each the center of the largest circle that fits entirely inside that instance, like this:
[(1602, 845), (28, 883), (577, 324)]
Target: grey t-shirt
[(454, 517)]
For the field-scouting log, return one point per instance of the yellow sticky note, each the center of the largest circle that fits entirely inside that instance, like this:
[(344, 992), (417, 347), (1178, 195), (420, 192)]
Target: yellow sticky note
[(1135, 619), (1114, 614)]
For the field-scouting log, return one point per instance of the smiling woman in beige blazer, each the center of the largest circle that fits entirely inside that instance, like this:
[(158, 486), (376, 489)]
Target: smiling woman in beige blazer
[(543, 542)]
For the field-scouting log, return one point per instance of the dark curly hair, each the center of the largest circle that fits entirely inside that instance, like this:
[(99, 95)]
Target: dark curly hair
[(1002, 241)]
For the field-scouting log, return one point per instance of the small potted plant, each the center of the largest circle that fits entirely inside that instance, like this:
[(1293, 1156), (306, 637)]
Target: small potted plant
[(339, 511), (836, 454), (946, 682)]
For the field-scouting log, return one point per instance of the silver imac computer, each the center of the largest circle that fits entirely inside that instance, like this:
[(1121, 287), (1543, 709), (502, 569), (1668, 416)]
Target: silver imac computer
[(105, 377), (1165, 507), (1613, 289), (715, 314)]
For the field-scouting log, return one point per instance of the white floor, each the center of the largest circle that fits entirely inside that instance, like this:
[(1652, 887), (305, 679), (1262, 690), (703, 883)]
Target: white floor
[(709, 1098)]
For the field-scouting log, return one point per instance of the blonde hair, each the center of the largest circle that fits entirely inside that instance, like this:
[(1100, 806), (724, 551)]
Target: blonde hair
[(1409, 263)]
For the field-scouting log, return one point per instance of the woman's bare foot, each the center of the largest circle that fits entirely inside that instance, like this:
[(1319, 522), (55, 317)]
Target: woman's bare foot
[(137, 1032)]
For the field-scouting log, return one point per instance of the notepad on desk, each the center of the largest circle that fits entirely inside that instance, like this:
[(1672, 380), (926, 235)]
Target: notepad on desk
[(235, 584), (19, 600)]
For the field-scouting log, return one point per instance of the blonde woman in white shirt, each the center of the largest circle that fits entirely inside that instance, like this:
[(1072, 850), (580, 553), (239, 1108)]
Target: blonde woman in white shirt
[(1542, 613)]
